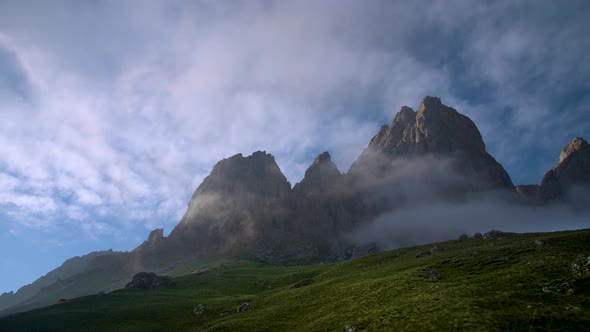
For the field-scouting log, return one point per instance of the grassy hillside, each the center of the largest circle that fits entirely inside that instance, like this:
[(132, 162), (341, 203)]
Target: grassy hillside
[(486, 285)]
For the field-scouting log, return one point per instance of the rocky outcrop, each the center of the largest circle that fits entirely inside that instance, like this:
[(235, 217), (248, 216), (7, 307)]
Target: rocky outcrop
[(438, 131), (571, 173), (148, 280), (155, 237)]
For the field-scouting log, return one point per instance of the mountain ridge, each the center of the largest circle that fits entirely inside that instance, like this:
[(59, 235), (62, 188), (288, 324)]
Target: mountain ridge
[(246, 206)]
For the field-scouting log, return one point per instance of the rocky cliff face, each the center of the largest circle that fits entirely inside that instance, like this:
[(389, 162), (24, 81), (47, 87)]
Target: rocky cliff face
[(572, 171), (321, 177), (438, 131)]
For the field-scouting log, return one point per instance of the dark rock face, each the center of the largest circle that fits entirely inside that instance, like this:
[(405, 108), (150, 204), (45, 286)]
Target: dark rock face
[(322, 176), (148, 280), (242, 199), (571, 172), (440, 131), (155, 237), (527, 190)]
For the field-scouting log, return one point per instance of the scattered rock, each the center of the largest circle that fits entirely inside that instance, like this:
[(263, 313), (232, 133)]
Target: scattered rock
[(494, 235), (581, 267), (303, 283), (478, 236), (540, 242), (62, 301), (435, 276), (422, 254), (148, 280), (560, 286), (244, 306), (199, 309), (463, 237), (224, 313), (435, 249), (349, 328), (573, 308)]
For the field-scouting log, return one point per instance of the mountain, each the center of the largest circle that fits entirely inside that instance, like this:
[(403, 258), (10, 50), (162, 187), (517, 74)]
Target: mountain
[(571, 173), (69, 268), (247, 208), (437, 131)]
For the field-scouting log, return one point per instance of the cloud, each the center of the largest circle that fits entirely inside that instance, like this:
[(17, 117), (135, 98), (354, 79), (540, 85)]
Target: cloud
[(444, 221), (121, 109)]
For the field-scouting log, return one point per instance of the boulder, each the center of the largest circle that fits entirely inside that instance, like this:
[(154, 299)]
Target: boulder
[(494, 235), (148, 280), (435, 276), (435, 249), (199, 309), (581, 267), (303, 283), (423, 254), (244, 307)]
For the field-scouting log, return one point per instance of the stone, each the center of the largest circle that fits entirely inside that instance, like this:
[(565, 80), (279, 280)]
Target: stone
[(463, 237), (573, 308), (494, 235), (478, 236), (303, 283), (540, 242), (148, 280), (435, 276), (199, 309), (423, 254), (581, 267), (244, 307), (560, 286), (349, 328), (435, 249)]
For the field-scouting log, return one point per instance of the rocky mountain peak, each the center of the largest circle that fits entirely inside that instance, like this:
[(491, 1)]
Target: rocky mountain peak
[(575, 145), (155, 236), (572, 170), (436, 130), (405, 115), (257, 174), (320, 176)]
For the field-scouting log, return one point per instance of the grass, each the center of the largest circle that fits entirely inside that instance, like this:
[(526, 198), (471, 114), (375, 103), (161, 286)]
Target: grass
[(486, 286)]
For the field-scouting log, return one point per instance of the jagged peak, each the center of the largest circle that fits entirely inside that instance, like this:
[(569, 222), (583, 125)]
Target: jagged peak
[(405, 115), (429, 103), (320, 174), (156, 235), (575, 145), (323, 157)]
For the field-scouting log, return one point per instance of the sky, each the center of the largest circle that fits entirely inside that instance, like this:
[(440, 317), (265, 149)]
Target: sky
[(112, 112)]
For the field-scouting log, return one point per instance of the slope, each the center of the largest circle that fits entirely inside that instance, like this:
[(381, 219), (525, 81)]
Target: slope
[(481, 285)]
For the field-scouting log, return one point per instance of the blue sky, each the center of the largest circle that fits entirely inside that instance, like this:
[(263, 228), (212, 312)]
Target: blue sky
[(112, 112)]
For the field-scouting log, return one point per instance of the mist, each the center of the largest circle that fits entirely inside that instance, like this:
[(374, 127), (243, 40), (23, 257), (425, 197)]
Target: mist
[(427, 199)]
